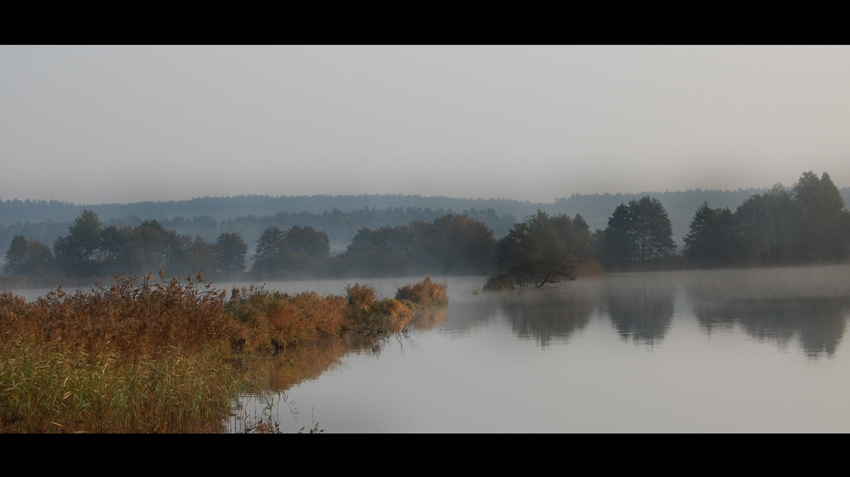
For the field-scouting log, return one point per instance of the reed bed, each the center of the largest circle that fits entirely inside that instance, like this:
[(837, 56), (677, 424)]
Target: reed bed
[(126, 318), (273, 322), (424, 294), (150, 357), (372, 316), (45, 390)]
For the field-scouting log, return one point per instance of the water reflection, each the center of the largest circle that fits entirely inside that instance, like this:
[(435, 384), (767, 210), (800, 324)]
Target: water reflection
[(548, 314), (283, 371), (471, 352), (640, 305), (693, 383), (776, 305), (817, 321), (429, 318), (466, 313)]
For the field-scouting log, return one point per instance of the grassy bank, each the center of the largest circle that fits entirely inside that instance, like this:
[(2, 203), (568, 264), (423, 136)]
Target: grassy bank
[(165, 356)]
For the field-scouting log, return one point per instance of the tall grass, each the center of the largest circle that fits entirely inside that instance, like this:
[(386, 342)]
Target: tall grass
[(149, 357), (425, 293), (45, 390), (126, 318), (273, 322), (370, 315), (131, 357)]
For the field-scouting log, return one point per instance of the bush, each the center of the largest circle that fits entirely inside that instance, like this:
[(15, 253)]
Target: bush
[(360, 295), (424, 293), (499, 283), (271, 322)]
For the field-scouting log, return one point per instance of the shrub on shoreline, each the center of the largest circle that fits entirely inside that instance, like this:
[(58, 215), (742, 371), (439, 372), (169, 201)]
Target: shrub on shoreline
[(499, 283), (360, 295), (424, 293)]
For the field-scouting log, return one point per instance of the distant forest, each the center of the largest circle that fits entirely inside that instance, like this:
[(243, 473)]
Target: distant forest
[(340, 216), (517, 243)]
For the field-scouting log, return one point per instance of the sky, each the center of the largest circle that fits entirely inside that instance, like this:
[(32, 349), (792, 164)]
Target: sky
[(127, 123)]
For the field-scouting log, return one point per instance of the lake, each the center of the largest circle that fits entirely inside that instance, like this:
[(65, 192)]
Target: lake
[(757, 350), (700, 351)]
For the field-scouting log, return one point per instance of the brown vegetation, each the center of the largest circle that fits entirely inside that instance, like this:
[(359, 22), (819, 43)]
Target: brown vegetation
[(127, 318), (171, 357), (425, 293), (369, 315), (272, 322)]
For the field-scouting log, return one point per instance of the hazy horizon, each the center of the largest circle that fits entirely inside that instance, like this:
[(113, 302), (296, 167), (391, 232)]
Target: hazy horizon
[(125, 124), (626, 193)]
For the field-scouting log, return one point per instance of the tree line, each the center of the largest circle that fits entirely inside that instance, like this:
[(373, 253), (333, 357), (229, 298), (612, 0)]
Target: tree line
[(225, 208), (806, 223), (340, 216), (341, 226), (452, 244), (90, 250)]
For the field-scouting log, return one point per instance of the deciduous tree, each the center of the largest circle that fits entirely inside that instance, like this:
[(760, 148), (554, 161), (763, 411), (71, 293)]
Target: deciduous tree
[(28, 257), (543, 250), (822, 232), (308, 241), (229, 253)]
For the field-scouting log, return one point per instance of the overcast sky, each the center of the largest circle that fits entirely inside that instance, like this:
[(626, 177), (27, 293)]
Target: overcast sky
[(98, 124)]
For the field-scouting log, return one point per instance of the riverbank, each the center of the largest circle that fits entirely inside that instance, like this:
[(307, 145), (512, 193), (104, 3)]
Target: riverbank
[(167, 356)]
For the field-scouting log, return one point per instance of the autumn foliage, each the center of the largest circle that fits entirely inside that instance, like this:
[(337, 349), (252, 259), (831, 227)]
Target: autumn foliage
[(166, 356)]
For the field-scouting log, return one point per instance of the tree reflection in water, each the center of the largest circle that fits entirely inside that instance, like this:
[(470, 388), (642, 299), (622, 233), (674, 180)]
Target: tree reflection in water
[(549, 314), (640, 305), (774, 305)]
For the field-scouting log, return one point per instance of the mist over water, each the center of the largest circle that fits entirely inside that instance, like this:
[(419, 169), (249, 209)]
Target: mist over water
[(756, 350), (808, 305)]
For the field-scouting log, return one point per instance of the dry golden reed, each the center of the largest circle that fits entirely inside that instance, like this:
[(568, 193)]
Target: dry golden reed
[(45, 390), (273, 322), (149, 357), (126, 318), (425, 293)]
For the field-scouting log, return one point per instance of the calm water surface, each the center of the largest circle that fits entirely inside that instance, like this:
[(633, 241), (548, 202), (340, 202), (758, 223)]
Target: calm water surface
[(714, 351)]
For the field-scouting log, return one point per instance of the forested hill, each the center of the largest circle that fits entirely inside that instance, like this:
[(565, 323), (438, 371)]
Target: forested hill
[(678, 204), (341, 215), (223, 208)]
